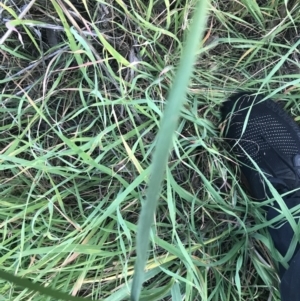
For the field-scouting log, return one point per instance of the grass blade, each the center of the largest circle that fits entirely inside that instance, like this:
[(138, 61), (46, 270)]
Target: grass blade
[(39, 288), (164, 141)]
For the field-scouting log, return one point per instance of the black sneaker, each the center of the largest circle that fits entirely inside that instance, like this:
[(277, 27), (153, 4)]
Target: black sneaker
[(261, 130), (266, 141)]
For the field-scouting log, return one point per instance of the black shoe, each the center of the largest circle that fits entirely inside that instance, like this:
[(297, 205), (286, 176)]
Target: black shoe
[(263, 131), (266, 141)]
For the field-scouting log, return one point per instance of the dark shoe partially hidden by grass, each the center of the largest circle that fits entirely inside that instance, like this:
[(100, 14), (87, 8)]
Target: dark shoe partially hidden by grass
[(266, 143)]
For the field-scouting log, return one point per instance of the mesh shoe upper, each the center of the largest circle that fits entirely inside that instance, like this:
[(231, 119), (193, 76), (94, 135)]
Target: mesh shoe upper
[(263, 131)]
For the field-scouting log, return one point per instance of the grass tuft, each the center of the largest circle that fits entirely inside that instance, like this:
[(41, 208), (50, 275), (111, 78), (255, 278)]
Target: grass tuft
[(83, 89)]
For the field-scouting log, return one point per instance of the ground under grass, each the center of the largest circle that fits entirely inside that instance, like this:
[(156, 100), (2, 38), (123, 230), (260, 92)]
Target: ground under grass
[(83, 85)]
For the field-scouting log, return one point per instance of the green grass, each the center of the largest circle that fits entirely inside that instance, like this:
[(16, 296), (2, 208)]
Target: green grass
[(80, 111)]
